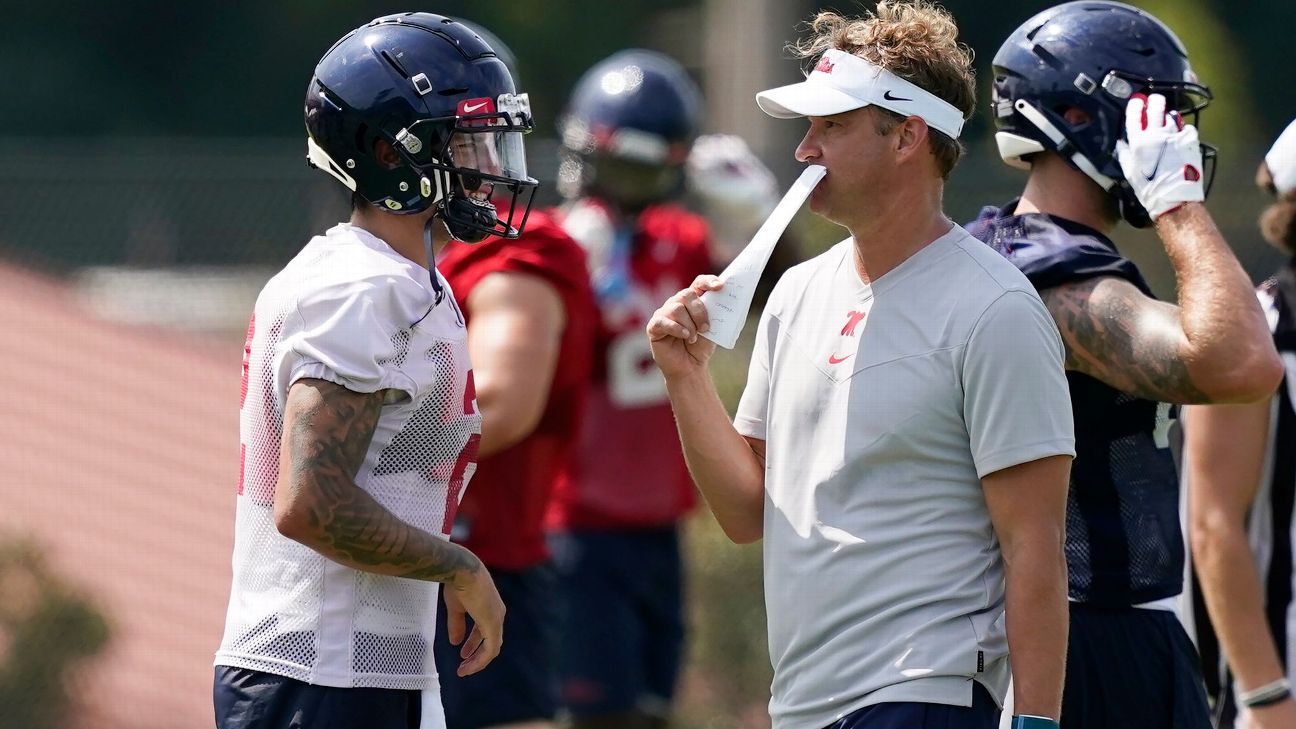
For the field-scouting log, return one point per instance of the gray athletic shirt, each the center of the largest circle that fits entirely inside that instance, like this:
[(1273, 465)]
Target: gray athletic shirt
[(881, 407)]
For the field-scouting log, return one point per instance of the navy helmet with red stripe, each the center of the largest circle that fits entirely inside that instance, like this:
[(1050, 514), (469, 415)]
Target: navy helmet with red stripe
[(1090, 55), (441, 97), (627, 129)]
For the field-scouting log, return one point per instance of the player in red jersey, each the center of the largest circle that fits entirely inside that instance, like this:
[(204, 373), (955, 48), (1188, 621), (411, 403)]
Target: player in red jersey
[(626, 136), (530, 329), (531, 320)]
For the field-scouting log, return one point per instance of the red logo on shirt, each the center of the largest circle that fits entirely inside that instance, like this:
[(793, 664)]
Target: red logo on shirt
[(825, 65), (853, 318)]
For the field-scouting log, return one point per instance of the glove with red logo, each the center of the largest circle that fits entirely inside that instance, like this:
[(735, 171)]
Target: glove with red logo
[(1161, 156)]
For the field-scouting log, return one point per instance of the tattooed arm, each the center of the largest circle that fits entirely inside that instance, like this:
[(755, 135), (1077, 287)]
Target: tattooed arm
[(326, 432), (1214, 347)]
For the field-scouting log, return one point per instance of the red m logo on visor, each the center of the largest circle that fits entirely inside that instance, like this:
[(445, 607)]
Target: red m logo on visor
[(824, 65)]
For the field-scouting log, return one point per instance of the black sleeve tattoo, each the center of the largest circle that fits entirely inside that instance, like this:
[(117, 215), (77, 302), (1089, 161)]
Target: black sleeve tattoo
[(327, 430), (1115, 333)]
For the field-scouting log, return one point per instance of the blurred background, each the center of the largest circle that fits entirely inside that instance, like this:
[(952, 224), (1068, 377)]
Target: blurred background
[(152, 176)]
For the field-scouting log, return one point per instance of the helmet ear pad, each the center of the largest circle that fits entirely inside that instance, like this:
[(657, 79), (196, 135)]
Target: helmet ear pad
[(1076, 117), (385, 154)]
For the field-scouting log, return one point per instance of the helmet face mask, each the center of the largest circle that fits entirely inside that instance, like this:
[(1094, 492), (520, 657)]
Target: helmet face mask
[(1186, 97), (1093, 56), (633, 184), (466, 160), (439, 95)]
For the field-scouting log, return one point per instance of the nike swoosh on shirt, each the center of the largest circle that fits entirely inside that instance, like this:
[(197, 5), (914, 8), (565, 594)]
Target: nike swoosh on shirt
[(887, 95), (474, 107), (1149, 175), (834, 359)]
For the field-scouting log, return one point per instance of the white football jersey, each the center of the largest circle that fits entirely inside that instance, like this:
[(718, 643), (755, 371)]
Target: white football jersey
[(350, 310)]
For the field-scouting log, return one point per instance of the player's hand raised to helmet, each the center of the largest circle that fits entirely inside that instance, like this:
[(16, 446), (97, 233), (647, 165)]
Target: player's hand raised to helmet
[(674, 329), (1160, 156)]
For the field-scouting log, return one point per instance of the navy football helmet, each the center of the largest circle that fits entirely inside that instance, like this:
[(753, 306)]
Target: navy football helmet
[(502, 51), (441, 96), (1093, 56), (627, 130)]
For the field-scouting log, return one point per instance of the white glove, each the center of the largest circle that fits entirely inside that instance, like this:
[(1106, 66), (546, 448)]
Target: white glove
[(590, 224), (736, 190), (1162, 160), (722, 171)]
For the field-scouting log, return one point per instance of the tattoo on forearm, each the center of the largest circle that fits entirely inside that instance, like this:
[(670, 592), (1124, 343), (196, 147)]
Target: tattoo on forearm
[(1114, 333), (330, 432)]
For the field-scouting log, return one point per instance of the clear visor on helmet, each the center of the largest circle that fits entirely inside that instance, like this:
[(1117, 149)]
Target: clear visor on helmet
[(498, 154)]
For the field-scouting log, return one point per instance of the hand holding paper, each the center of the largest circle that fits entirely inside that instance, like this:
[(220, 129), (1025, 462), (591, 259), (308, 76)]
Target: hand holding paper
[(727, 308)]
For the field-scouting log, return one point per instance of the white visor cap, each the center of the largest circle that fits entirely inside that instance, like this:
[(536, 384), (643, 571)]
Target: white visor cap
[(1281, 161), (842, 82)]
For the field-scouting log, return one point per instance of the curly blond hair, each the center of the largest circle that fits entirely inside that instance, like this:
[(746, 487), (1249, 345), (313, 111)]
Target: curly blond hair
[(917, 41), (1278, 221)]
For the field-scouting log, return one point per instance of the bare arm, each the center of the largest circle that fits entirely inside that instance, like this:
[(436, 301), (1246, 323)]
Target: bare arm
[(1214, 347), (1224, 455), (513, 342), (728, 468), (1027, 506)]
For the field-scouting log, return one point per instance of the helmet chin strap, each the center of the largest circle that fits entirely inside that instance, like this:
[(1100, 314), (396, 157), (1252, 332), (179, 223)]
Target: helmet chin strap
[(437, 288), (1063, 145), (452, 212), (1130, 209)]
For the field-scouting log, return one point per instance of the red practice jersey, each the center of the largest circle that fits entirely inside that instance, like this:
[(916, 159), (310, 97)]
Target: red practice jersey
[(629, 471), (501, 517)]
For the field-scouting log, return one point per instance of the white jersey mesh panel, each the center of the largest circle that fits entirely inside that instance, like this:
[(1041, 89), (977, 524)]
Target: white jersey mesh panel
[(351, 311)]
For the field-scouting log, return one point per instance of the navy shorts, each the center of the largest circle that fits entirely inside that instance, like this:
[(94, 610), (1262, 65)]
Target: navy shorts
[(1131, 667), (622, 624), (521, 684), (247, 699), (982, 714)]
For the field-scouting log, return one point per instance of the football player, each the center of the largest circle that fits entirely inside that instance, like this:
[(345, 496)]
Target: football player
[(1240, 463), (359, 423), (531, 319), (1098, 101), (626, 135)]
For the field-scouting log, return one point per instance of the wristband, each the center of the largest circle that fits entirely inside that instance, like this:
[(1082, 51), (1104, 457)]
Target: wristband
[(1022, 721), (1270, 693)]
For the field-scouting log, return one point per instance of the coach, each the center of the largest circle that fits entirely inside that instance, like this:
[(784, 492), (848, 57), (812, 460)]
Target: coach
[(905, 437)]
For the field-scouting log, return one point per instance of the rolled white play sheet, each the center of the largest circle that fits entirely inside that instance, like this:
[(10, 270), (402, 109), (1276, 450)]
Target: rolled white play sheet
[(728, 307)]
